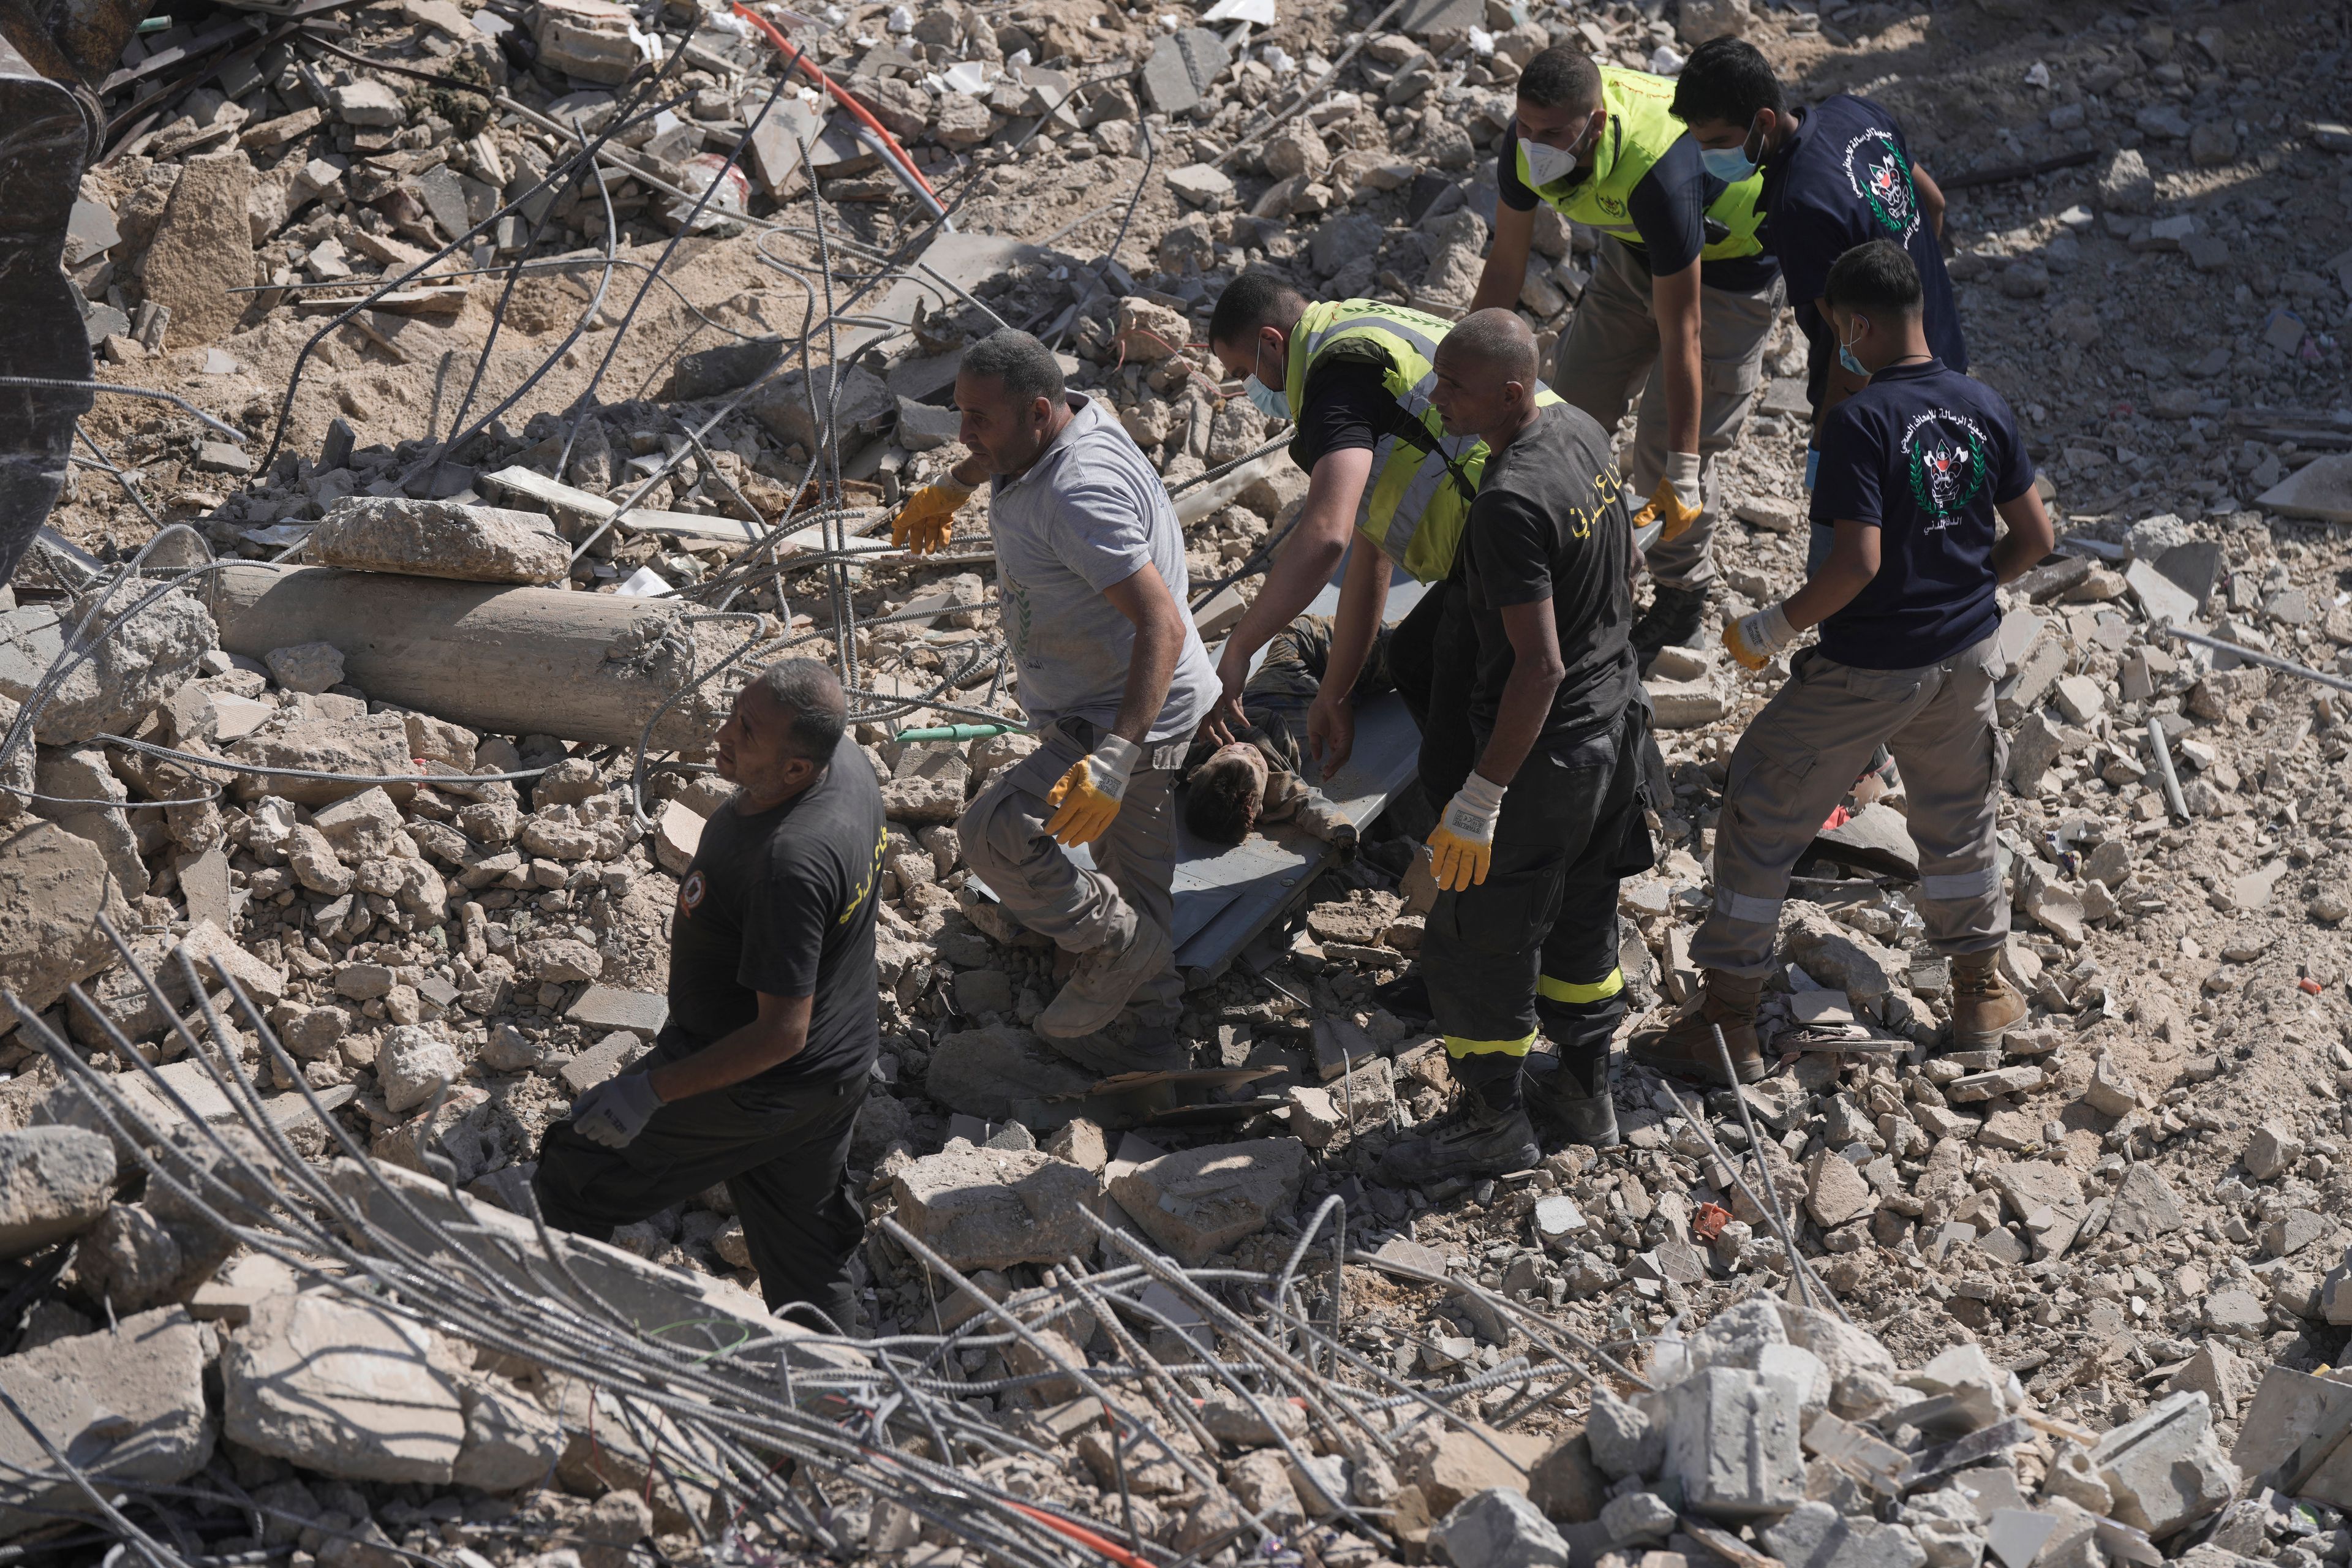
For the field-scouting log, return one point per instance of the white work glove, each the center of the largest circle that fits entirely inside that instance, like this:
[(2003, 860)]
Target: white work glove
[(1754, 639), (1091, 792), (1462, 842)]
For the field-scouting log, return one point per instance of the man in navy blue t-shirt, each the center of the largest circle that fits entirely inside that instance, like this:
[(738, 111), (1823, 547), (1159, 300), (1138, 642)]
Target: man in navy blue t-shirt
[(1915, 469), (1835, 176)]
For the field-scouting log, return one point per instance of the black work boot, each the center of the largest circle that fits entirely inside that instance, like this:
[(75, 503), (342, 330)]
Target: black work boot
[(1685, 1048), (1125, 1047), (1671, 619), (1486, 1135), (1576, 1093)]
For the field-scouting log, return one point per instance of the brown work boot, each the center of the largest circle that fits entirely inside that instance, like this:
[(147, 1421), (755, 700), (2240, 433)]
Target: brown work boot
[(1685, 1048), (1098, 989), (1985, 1006)]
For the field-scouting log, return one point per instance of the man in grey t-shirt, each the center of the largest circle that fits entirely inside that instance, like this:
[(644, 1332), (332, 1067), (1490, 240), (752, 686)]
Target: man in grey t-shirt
[(1110, 670)]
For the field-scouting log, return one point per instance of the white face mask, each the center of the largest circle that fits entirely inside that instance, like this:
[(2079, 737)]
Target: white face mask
[(1548, 165)]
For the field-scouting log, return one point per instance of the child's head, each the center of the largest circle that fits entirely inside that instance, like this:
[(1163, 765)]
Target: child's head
[(1875, 303), (1222, 799)]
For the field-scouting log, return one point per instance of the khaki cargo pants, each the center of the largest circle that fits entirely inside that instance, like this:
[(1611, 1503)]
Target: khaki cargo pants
[(1801, 754), (1610, 354), (1007, 847)]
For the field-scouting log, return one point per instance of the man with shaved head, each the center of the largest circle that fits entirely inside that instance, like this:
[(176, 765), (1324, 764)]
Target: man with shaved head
[(1523, 938)]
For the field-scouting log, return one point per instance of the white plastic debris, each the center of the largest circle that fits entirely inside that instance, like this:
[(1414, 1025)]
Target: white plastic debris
[(1664, 61), (645, 582), (1256, 12), (1482, 43), (2037, 74), (970, 75)]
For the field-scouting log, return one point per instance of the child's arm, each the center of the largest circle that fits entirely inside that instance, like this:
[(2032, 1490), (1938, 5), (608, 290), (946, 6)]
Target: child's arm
[(2029, 539)]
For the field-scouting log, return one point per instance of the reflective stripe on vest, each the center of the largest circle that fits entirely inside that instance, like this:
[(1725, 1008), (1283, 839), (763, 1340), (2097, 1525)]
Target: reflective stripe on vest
[(1417, 499), (1640, 128)]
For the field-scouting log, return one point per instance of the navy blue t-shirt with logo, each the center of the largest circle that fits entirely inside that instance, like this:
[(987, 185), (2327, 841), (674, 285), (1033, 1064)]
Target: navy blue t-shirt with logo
[(1923, 455), (1843, 178)]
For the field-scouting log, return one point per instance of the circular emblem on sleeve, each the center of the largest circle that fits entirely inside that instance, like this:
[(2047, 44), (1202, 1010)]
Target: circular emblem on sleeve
[(690, 892)]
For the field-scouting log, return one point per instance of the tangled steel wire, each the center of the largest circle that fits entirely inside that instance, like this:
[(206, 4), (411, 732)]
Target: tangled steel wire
[(761, 1430)]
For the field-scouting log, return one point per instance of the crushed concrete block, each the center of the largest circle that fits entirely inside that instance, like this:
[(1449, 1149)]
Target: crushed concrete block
[(376, 745), (1732, 1440), (1501, 1529), (128, 675), (2165, 1469), (412, 1065), (127, 1403), (1638, 1519), (1567, 1484), (608, 1007), (600, 1061), (1836, 1191), (1199, 1201), (2218, 1372), (54, 1182), (2271, 1151), (54, 886), (2145, 1205), (992, 1208), (309, 668), (1816, 1535), (2111, 1092), (439, 539), (990, 1072), (343, 1387), (585, 38), (512, 1441), (1452, 1467)]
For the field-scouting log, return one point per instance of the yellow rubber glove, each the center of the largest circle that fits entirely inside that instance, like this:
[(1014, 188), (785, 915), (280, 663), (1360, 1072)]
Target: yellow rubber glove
[(1754, 639), (1678, 500), (1091, 792), (1463, 839), (924, 523)]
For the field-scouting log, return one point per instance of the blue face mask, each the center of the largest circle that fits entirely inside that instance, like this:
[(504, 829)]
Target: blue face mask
[(1729, 164), (1852, 365), (1272, 402)]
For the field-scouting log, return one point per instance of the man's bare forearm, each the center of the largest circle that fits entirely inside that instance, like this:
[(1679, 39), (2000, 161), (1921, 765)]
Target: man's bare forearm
[(1363, 596), (1159, 639), (730, 1059)]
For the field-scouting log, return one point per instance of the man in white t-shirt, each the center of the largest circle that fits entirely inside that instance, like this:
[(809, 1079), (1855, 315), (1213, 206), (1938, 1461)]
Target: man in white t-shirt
[(1110, 670)]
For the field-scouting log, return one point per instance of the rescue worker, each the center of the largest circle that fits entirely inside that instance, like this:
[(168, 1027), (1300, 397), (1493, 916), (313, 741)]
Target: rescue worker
[(756, 1079), (1523, 937), (1928, 485), (1680, 301), (1835, 176), (1108, 668), (1354, 378)]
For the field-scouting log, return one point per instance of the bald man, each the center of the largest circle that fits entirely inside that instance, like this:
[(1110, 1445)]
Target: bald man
[(1523, 938)]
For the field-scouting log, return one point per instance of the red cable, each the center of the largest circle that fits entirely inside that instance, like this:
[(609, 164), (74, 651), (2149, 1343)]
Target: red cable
[(800, 56), (1084, 1537)]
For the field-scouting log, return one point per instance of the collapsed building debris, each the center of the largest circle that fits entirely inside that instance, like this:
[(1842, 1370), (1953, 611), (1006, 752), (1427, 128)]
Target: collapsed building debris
[(381, 739)]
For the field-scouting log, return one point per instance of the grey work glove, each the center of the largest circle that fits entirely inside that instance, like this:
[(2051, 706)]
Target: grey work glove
[(614, 1111)]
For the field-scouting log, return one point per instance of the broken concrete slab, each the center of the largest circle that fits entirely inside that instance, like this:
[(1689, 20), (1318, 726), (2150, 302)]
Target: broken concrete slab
[(1499, 1528), (126, 1403), (992, 1208), (2321, 488), (2167, 1468), (439, 539), (1199, 1201), (604, 1008), (54, 1182), (344, 1387), (1732, 1440), (1815, 1535), (54, 887), (2145, 1204), (127, 676), (1001, 1073)]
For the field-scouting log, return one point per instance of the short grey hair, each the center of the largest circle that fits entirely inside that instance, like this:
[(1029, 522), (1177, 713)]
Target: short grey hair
[(1499, 339), (1026, 367), (812, 694)]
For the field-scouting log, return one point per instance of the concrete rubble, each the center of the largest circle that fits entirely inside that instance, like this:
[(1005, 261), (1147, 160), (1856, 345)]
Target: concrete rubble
[(2078, 1300)]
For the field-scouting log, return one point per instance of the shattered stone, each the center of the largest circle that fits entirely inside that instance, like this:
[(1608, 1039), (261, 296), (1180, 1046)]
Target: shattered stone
[(2165, 1469), (992, 1208), (127, 1402), (439, 539), (344, 1388), (54, 1182), (1198, 1202)]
